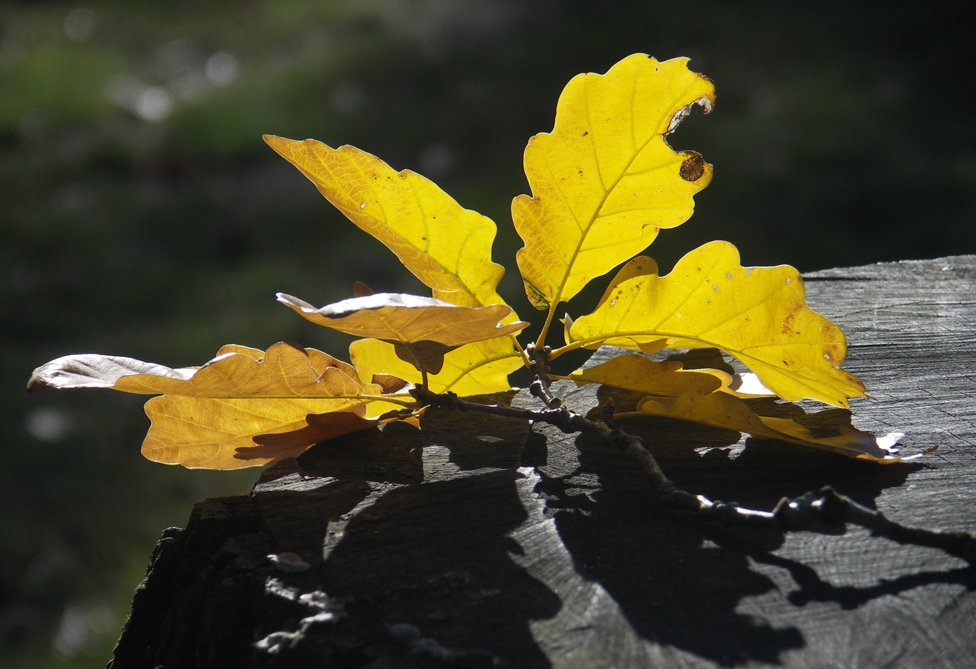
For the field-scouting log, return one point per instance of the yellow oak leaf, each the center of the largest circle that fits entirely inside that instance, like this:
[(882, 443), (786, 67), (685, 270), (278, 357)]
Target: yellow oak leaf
[(422, 329), (641, 374), (474, 369), (220, 433), (398, 317), (726, 411), (208, 416), (757, 314), (605, 181), (443, 244), (231, 404), (93, 370)]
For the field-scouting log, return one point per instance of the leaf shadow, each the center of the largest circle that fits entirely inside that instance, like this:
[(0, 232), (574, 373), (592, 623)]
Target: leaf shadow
[(682, 583), (417, 527), (412, 527)]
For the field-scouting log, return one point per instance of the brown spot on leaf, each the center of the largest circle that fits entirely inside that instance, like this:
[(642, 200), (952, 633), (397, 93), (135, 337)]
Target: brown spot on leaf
[(790, 320), (693, 167)]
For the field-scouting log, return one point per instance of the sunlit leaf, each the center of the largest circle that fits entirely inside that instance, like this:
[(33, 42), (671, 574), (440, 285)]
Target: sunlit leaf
[(605, 181), (403, 318), (444, 245), (209, 415), (757, 314), (726, 411), (233, 433), (641, 374), (422, 329), (473, 369), (92, 370)]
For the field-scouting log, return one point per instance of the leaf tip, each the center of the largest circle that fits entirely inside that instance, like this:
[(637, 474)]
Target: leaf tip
[(360, 289), (273, 140), (291, 301), (36, 384)]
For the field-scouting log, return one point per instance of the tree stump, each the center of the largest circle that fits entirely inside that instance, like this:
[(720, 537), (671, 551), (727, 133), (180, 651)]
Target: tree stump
[(486, 542)]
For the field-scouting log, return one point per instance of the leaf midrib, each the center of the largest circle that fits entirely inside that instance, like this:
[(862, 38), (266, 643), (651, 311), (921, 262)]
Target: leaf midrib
[(607, 191)]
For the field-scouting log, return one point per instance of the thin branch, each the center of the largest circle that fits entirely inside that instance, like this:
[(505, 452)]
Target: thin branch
[(812, 511), (825, 508), (542, 381)]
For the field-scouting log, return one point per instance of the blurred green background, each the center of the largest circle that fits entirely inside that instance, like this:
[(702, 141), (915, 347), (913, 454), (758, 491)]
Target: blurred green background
[(142, 215)]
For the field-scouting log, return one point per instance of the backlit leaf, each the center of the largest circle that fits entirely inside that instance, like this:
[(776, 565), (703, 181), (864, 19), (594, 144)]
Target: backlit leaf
[(605, 181), (726, 411), (396, 317), (474, 369), (444, 245), (641, 374), (757, 314), (208, 416), (422, 329), (220, 433)]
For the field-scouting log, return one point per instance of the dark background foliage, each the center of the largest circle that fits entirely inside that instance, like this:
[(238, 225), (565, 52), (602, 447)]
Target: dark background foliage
[(142, 215)]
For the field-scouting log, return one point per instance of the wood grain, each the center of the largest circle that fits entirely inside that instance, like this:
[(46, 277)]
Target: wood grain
[(481, 541)]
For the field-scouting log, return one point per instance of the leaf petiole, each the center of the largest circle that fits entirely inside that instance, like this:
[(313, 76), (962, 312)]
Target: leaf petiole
[(541, 341), (576, 345)]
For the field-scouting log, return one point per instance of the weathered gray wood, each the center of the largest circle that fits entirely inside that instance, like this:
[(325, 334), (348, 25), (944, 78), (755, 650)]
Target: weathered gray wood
[(482, 542)]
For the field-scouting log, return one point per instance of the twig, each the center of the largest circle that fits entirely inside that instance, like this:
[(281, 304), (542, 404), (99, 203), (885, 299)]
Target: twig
[(813, 511), (818, 510), (542, 381)]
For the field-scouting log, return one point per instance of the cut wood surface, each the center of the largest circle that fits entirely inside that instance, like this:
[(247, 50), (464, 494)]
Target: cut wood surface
[(485, 542)]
